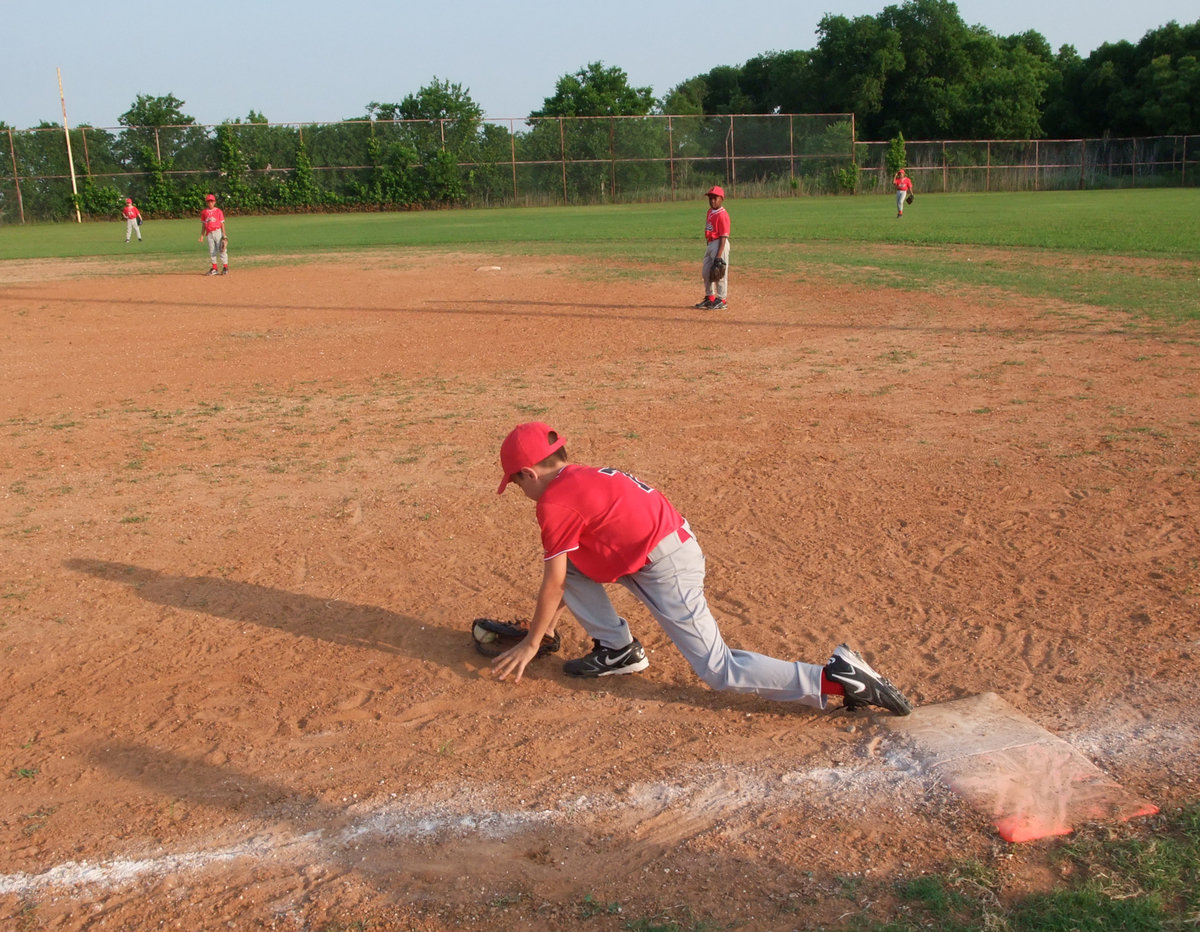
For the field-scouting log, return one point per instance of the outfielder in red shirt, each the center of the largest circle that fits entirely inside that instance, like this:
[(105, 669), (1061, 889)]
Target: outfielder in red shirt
[(716, 239), (212, 230), (903, 185), (133, 218), (603, 526)]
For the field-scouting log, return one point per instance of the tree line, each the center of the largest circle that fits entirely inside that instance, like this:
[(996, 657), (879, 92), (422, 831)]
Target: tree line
[(917, 69), (913, 71)]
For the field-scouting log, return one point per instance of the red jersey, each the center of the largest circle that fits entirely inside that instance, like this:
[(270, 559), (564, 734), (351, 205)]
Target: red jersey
[(129, 212), (903, 183), (606, 520), (716, 224), (212, 218)]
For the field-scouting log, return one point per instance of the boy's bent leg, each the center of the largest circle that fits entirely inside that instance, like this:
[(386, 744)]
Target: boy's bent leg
[(673, 589), (589, 603)]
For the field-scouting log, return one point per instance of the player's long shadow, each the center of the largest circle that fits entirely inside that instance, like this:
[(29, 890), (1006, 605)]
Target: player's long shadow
[(364, 626), (269, 820)]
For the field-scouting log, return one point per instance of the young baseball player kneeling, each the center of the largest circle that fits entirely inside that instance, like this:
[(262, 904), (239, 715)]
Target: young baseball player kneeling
[(602, 526)]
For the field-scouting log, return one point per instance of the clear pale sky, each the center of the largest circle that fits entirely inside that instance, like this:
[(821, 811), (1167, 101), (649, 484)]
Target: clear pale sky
[(320, 61)]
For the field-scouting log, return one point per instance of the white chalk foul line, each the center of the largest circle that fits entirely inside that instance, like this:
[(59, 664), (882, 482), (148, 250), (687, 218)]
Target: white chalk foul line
[(705, 790)]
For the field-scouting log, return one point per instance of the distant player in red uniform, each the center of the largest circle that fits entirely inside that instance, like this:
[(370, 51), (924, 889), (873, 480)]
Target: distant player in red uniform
[(212, 230), (716, 238), (903, 185), (602, 526), (133, 218)]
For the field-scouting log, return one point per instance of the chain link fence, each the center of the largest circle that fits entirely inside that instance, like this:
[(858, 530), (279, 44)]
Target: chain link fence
[(379, 164), (1039, 164)]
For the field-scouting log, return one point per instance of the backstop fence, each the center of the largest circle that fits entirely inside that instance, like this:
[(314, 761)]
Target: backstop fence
[(383, 164)]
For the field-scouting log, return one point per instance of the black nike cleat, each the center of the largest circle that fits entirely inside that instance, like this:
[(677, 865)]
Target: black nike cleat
[(607, 661), (863, 685)]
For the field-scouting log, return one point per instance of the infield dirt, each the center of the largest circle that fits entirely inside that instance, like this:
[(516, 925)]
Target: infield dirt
[(247, 521)]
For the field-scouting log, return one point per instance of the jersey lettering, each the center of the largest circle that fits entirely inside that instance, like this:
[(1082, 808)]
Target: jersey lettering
[(609, 471)]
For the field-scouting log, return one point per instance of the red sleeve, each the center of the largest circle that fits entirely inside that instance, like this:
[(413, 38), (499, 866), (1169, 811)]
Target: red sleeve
[(561, 527)]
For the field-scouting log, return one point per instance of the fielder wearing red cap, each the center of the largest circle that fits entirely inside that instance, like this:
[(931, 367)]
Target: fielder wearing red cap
[(603, 526), (903, 185), (716, 238), (132, 215), (212, 231)]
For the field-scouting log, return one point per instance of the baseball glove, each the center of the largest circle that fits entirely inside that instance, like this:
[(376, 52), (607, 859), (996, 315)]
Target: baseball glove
[(911, 197), (493, 637), (718, 268), (139, 220)]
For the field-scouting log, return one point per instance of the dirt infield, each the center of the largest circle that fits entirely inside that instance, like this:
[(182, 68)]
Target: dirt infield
[(246, 522)]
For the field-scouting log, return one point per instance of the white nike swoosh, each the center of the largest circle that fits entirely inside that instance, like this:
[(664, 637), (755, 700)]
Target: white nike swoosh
[(858, 687), (620, 658)]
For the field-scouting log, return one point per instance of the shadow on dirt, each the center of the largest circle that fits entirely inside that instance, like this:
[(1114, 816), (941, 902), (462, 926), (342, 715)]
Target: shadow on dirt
[(332, 620)]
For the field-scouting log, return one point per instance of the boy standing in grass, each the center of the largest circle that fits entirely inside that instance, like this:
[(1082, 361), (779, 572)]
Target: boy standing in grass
[(601, 526), (133, 220), (903, 188)]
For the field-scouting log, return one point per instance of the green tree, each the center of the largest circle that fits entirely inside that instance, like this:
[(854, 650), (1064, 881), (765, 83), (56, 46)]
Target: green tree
[(42, 165), (779, 82), (852, 65), (686, 98), (897, 157), (596, 91), (1170, 95), (566, 128), (418, 146), (159, 124), (1124, 89)]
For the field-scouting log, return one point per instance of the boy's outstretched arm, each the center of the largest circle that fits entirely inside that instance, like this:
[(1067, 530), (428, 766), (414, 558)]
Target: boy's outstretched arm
[(545, 617)]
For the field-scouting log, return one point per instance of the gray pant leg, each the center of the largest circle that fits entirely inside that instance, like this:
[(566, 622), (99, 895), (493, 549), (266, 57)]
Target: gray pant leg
[(216, 247), (710, 254), (673, 590), (589, 603)]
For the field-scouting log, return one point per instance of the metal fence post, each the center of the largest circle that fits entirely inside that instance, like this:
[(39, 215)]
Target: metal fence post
[(671, 155), (612, 158), (562, 150), (512, 143), (16, 177), (792, 148), (731, 154)]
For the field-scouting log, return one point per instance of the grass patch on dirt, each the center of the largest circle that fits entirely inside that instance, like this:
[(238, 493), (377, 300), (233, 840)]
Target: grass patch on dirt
[(1135, 877)]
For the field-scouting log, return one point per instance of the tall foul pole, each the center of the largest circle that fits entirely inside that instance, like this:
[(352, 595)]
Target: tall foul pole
[(70, 158)]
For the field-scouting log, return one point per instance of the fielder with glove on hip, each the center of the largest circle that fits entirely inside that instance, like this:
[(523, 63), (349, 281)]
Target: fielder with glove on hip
[(603, 526)]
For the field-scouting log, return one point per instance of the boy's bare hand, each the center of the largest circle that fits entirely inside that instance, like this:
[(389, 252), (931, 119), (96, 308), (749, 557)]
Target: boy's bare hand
[(514, 660)]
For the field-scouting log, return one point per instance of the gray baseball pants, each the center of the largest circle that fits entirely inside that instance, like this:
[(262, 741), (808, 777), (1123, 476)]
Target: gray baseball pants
[(216, 247), (671, 586), (710, 255)]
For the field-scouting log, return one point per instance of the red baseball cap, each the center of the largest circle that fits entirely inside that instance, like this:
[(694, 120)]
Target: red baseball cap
[(526, 445), (128, 200), (210, 197), (715, 189)]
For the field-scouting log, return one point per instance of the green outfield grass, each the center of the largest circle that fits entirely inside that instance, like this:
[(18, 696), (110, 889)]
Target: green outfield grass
[(1133, 250)]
